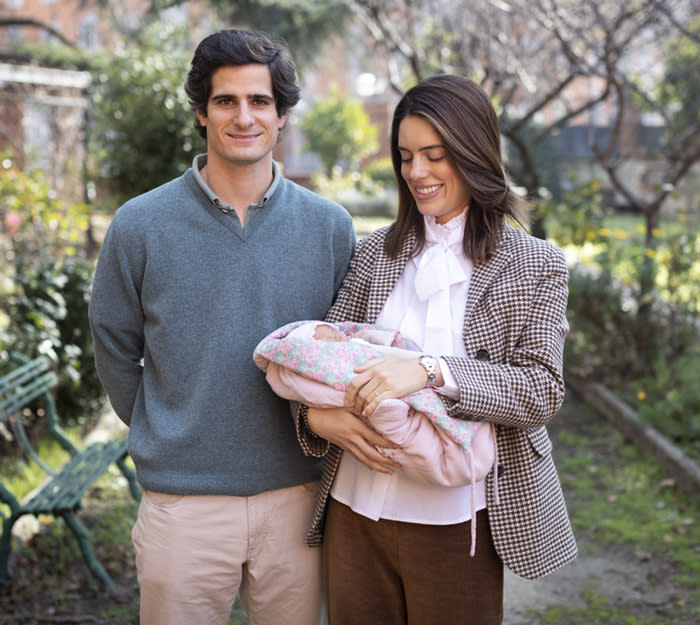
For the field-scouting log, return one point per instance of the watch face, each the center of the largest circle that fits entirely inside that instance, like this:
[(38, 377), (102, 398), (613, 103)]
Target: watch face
[(429, 364)]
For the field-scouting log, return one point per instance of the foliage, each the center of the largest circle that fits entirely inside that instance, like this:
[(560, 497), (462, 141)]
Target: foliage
[(381, 171), (357, 192), (670, 400), (304, 25), (578, 217), (680, 88), (143, 128), (650, 362), (47, 312), (38, 223), (600, 342), (46, 288), (52, 54), (80, 393), (339, 130)]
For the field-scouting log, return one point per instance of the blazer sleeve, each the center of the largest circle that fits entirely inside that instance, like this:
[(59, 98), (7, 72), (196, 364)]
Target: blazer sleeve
[(515, 341)]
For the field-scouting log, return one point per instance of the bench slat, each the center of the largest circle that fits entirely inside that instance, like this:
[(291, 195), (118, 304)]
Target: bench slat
[(12, 401), (65, 490), (62, 493), (24, 372)]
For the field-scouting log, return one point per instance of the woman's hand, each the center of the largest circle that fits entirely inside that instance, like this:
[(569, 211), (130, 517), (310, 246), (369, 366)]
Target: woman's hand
[(350, 432), (384, 378)]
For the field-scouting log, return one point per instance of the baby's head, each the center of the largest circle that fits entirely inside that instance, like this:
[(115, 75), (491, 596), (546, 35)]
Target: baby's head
[(376, 336), (324, 332)]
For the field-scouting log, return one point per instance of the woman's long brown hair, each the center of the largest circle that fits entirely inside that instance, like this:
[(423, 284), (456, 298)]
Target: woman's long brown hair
[(461, 113)]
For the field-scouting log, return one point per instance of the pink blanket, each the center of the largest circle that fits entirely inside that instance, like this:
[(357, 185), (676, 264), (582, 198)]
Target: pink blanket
[(435, 448)]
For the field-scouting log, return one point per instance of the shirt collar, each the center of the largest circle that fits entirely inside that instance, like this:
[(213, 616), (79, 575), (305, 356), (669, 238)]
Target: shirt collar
[(448, 234), (200, 160)]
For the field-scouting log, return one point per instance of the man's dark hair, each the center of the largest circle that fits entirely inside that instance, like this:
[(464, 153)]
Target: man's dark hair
[(241, 47)]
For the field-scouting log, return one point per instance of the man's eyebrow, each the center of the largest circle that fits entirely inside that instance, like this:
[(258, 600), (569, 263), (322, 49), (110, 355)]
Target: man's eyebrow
[(252, 96)]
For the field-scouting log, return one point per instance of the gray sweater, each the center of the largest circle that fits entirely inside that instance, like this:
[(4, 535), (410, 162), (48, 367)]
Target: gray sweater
[(182, 295)]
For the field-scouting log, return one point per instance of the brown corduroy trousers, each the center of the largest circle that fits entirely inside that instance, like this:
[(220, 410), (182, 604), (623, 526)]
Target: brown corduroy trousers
[(395, 573)]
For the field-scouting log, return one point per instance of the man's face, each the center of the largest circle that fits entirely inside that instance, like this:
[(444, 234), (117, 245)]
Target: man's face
[(241, 121)]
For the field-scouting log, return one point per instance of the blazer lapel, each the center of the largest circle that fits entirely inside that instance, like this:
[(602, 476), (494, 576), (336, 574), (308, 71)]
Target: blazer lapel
[(386, 274), (483, 275)]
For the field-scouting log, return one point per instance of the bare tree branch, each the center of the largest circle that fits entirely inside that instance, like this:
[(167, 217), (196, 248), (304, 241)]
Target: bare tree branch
[(6, 22)]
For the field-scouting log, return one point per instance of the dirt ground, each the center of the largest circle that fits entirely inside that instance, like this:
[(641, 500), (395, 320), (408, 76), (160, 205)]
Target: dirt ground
[(623, 577), (616, 574), (620, 576)]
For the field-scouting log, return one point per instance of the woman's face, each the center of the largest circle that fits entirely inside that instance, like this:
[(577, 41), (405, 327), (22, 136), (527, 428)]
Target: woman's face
[(428, 171)]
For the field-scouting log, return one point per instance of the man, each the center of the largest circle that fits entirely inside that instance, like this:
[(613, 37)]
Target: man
[(190, 277)]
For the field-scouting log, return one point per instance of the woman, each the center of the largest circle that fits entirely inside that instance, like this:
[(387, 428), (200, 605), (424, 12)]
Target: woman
[(488, 304)]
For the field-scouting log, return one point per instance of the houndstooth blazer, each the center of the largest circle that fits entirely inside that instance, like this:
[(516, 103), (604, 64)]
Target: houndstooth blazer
[(514, 330)]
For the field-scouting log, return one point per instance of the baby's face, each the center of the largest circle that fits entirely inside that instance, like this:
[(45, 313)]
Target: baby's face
[(323, 332)]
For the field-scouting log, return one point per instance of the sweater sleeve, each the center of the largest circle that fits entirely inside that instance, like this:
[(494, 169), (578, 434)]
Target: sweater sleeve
[(117, 326)]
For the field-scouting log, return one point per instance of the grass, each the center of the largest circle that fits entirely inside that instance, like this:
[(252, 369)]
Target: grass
[(364, 225), (50, 581), (622, 498), (598, 611), (619, 499), (621, 504)]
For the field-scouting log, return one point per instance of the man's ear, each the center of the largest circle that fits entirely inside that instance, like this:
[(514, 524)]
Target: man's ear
[(282, 122), (202, 117)]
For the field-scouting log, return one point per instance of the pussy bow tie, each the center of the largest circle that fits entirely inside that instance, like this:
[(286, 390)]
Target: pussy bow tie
[(438, 269)]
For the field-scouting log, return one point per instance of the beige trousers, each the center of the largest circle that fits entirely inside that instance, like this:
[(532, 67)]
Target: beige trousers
[(195, 553)]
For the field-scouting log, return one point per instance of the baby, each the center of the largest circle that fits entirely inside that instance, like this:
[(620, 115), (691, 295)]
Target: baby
[(304, 362)]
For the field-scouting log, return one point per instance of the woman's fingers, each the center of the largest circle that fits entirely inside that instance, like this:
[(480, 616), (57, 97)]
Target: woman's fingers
[(364, 376), (373, 458), (383, 378), (344, 429)]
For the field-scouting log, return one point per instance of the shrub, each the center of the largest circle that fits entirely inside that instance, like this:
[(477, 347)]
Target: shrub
[(339, 130), (381, 171), (601, 319), (358, 193), (142, 130), (670, 400), (48, 315), (45, 287)]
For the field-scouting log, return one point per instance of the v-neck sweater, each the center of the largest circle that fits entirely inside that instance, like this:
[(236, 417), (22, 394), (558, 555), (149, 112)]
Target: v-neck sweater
[(182, 295)]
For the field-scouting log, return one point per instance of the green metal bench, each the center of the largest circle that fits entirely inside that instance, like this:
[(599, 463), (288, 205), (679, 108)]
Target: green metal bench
[(62, 493)]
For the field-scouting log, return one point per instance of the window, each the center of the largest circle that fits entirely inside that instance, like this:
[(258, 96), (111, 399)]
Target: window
[(37, 132), (87, 32)]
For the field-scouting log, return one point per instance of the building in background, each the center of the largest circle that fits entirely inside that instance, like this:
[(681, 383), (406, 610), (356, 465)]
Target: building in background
[(42, 110)]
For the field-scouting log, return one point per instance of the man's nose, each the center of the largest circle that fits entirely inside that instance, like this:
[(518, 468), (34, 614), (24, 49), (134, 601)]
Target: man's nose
[(244, 117)]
